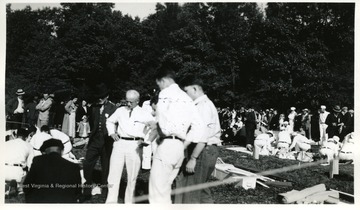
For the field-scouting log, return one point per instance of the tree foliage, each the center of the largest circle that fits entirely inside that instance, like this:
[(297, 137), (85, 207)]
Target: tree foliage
[(299, 54)]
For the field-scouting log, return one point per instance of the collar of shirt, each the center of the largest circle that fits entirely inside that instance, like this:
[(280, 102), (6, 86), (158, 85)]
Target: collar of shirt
[(200, 99), (169, 89)]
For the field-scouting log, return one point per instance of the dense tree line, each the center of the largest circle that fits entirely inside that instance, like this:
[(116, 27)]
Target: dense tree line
[(290, 54)]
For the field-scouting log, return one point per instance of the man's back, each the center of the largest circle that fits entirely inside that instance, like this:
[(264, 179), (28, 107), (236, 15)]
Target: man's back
[(52, 179)]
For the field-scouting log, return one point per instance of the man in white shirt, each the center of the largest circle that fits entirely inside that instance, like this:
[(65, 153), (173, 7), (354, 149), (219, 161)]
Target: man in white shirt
[(175, 113), (15, 110), (201, 157), (127, 148), (18, 156), (322, 119)]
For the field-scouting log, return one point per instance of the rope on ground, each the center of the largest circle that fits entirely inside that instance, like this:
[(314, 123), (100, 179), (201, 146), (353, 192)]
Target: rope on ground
[(234, 179), (14, 122)]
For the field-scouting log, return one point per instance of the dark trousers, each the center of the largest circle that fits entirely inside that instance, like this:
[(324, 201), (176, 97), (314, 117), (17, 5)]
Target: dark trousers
[(250, 134), (95, 150), (15, 121), (205, 165)]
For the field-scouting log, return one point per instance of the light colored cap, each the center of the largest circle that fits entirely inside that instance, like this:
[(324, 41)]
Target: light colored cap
[(323, 107), (293, 108)]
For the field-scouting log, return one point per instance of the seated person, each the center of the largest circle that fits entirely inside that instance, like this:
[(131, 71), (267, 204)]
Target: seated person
[(301, 145), (263, 143), (329, 148), (65, 139), (284, 140), (18, 158), (52, 179), (300, 142), (347, 150), (38, 138)]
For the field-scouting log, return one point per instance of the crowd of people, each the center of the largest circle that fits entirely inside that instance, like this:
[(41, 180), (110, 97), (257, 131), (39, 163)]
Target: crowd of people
[(291, 135), (176, 135)]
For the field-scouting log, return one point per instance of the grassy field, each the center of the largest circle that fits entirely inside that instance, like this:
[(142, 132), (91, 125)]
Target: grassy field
[(228, 194)]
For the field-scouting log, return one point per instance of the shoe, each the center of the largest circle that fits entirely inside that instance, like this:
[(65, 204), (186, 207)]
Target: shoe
[(96, 191), (249, 147), (84, 198)]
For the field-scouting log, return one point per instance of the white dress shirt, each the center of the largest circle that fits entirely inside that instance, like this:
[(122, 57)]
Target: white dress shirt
[(176, 112), (209, 115), (129, 126)]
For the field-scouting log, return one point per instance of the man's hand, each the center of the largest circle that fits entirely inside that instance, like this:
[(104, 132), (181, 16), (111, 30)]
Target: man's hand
[(115, 137), (190, 166)]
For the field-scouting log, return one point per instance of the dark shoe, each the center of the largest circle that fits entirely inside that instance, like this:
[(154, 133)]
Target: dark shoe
[(84, 198), (13, 189)]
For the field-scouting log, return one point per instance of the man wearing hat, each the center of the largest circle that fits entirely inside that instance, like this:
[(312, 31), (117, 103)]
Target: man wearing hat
[(322, 125), (44, 110), (52, 179), (305, 122), (334, 122), (100, 144), (15, 110)]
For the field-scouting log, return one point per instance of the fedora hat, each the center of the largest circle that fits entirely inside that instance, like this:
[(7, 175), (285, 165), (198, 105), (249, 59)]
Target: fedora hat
[(51, 143), (101, 91), (20, 92), (337, 108)]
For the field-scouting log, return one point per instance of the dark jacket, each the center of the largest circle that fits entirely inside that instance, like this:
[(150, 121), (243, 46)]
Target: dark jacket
[(11, 105), (80, 112), (96, 118), (52, 179)]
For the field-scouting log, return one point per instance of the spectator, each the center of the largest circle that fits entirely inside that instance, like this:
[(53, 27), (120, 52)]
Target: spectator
[(82, 111), (322, 123), (15, 111), (69, 124), (52, 179), (44, 110), (305, 122), (334, 123), (291, 118), (32, 114)]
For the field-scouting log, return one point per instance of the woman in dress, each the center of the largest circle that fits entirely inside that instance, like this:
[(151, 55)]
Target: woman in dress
[(69, 123)]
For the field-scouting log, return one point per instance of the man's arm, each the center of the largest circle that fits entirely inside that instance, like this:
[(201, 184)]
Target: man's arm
[(111, 125)]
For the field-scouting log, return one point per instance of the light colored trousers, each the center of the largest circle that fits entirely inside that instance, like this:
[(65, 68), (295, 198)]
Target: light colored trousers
[(147, 152), (323, 134), (14, 173), (166, 164), (129, 153)]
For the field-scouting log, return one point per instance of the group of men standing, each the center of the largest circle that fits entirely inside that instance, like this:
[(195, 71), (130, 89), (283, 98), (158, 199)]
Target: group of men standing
[(34, 113), (186, 127)]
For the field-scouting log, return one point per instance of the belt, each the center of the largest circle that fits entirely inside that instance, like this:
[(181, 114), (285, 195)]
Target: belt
[(284, 142), (172, 137), (345, 152), (7, 164), (132, 138), (325, 148), (36, 149)]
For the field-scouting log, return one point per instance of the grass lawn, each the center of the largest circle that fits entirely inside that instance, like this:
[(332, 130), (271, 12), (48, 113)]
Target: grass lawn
[(228, 194)]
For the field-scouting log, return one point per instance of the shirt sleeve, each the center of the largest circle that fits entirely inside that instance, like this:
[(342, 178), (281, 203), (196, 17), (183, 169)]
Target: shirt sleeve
[(111, 122), (197, 132)]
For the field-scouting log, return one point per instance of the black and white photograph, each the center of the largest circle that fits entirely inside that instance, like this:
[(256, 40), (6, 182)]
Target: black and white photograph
[(180, 102)]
